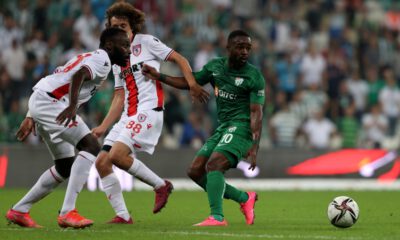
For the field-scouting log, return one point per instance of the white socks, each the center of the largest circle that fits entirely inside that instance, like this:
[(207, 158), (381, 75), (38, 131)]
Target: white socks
[(143, 173), (112, 188), (49, 180), (79, 175)]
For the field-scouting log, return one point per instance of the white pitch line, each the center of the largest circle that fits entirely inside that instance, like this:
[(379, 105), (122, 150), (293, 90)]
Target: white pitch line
[(195, 233), (253, 236), (20, 229), (303, 184)]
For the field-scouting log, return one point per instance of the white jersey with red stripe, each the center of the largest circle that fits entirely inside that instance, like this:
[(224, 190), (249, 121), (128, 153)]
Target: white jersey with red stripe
[(141, 93), (57, 84)]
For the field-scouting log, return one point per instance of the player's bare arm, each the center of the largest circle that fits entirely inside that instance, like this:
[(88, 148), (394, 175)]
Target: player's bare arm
[(27, 126), (69, 113), (114, 113), (256, 116), (176, 82), (196, 91)]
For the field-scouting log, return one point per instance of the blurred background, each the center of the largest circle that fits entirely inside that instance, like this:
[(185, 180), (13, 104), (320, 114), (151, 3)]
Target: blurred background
[(332, 68)]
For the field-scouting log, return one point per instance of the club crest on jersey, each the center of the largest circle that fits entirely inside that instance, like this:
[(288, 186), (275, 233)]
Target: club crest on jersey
[(137, 49), (141, 117), (232, 129), (238, 81)]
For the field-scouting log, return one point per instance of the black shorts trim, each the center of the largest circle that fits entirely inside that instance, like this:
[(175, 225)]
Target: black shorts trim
[(106, 148)]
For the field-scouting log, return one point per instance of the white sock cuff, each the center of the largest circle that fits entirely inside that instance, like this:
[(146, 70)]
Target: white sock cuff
[(109, 180), (135, 166), (56, 175), (88, 156)]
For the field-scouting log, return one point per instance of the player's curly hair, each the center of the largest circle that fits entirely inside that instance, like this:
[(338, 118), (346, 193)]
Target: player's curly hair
[(125, 10)]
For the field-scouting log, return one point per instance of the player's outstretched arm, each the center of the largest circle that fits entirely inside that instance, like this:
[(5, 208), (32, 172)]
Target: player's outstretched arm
[(69, 114), (176, 82), (196, 91), (256, 116), (27, 126), (114, 113)]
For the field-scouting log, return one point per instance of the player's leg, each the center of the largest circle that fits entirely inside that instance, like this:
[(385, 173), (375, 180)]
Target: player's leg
[(122, 157), (197, 172), (215, 168), (63, 155), (88, 149), (197, 169), (234, 145), (141, 133), (49, 180), (112, 187)]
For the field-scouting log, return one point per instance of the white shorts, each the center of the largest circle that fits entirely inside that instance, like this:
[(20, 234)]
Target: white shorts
[(61, 141), (115, 131), (142, 131)]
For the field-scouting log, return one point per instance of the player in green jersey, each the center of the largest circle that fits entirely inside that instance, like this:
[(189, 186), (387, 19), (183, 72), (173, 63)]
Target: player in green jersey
[(239, 90)]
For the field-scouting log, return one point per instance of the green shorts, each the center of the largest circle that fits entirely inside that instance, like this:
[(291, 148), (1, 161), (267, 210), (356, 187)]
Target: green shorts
[(233, 141)]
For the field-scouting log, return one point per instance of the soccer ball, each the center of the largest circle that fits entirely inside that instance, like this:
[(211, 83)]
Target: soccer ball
[(343, 212)]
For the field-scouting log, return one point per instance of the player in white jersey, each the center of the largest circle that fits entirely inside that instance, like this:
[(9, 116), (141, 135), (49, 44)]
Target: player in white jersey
[(53, 108), (141, 121)]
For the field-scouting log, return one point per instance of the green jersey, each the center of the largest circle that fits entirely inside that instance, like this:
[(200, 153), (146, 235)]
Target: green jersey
[(234, 89)]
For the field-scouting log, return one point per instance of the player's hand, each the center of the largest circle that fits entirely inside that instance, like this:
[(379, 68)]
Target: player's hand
[(68, 115), (99, 131), (27, 126), (199, 94), (252, 156), (150, 72)]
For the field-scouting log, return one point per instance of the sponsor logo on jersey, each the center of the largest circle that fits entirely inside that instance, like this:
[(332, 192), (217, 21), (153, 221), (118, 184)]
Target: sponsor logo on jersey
[(130, 70), (226, 95), (261, 93), (137, 49), (238, 81)]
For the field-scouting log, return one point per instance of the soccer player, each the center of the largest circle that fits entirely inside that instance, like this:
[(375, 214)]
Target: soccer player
[(138, 104), (53, 108), (239, 90)]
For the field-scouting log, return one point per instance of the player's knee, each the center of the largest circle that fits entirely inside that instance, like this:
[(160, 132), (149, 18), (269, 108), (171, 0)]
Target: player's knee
[(94, 149), (215, 164), (115, 156), (194, 173), (102, 162), (63, 166), (191, 173), (89, 144), (211, 166)]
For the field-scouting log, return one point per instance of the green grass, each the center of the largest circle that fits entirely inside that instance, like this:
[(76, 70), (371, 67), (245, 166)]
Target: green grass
[(280, 215)]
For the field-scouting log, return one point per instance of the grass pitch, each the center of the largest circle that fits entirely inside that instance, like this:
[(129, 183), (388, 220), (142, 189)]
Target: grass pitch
[(279, 215)]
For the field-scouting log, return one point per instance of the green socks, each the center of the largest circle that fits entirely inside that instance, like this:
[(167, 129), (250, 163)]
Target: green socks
[(230, 191), (235, 194), (215, 189)]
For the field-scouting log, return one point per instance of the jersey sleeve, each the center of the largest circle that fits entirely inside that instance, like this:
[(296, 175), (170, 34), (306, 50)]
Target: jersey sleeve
[(98, 64), (118, 82), (158, 48), (204, 76), (257, 93)]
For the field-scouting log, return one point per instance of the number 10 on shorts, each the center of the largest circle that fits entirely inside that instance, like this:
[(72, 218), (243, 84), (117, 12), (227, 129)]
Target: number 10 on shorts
[(227, 138)]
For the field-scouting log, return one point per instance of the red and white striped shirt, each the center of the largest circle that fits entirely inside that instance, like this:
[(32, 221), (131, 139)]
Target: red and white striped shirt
[(141, 93), (97, 62)]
